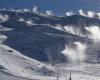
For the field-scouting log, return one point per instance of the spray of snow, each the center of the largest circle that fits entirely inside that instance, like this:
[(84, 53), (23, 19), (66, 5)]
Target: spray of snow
[(35, 9), (72, 30), (81, 12), (26, 10), (50, 13), (69, 29), (77, 53), (70, 13), (2, 38), (3, 18), (94, 32), (29, 22), (59, 27), (90, 14), (21, 20)]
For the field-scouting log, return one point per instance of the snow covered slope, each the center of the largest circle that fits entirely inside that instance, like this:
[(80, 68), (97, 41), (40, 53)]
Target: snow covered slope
[(36, 46), (15, 65), (35, 32)]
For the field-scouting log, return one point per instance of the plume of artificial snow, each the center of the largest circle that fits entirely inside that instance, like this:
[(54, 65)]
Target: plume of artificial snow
[(21, 19), (94, 32), (35, 9), (29, 22), (3, 18), (21, 10), (26, 10), (59, 27), (50, 13), (76, 54), (81, 12), (90, 14), (2, 38), (70, 13), (72, 30)]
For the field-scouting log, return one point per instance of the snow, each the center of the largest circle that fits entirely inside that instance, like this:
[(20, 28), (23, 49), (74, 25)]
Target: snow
[(21, 20), (90, 14), (70, 29), (81, 12), (50, 13), (2, 38), (3, 18), (16, 66), (5, 28), (29, 22), (20, 67), (76, 54), (35, 9), (70, 13), (82, 71), (26, 10), (93, 32)]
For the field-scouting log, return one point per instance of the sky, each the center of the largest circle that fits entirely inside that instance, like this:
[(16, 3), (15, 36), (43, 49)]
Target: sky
[(57, 6)]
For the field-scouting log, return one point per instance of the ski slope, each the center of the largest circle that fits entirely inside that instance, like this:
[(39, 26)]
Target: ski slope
[(17, 66)]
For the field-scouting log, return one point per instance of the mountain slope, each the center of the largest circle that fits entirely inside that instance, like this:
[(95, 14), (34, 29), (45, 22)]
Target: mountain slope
[(38, 46), (32, 31)]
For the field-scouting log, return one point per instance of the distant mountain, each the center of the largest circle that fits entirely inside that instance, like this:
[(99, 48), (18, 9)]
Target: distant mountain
[(43, 37), (42, 46)]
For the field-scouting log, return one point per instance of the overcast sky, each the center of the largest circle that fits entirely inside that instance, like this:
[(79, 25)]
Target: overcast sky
[(58, 6)]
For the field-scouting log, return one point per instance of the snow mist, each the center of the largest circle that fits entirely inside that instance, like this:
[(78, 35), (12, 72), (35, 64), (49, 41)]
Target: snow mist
[(75, 54), (94, 32), (72, 30)]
